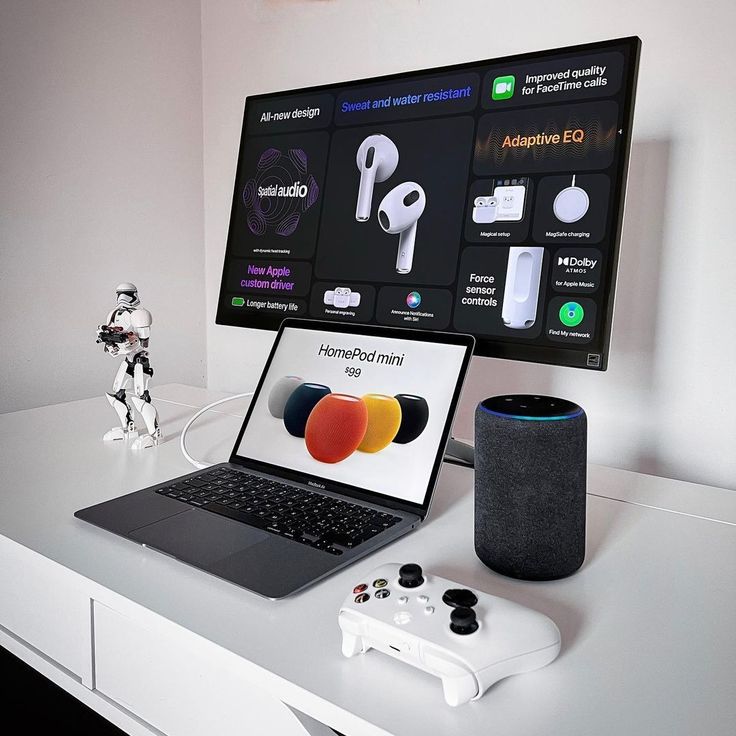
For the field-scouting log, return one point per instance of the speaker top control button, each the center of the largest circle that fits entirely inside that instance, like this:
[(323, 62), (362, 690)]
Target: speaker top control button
[(460, 598)]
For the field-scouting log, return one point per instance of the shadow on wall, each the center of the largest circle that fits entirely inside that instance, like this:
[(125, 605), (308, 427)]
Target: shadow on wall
[(630, 378), (637, 291)]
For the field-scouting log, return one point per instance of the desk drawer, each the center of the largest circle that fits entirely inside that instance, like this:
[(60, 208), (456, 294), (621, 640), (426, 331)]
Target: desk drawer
[(46, 605), (180, 683)]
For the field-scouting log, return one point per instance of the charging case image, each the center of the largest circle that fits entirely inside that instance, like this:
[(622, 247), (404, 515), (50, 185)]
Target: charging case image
[(510, 202), (485, 210), (521, 292), (571, 204)]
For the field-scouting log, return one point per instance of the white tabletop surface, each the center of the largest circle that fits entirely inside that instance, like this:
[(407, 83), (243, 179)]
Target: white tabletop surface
[(649, 641)]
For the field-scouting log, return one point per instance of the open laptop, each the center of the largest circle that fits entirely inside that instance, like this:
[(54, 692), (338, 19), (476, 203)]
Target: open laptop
[(338, 455)]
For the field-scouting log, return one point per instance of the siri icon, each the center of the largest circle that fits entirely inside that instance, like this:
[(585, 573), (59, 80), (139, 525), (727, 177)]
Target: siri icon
[(413, 299)]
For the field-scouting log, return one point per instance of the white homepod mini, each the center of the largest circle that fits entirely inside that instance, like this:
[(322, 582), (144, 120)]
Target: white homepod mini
[(280, 393)]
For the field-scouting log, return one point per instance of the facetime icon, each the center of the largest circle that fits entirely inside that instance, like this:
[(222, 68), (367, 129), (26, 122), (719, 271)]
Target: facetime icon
[(503, 87)]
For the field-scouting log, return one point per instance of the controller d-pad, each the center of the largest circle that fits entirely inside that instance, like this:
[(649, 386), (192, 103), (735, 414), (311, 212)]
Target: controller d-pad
[(460, 598)]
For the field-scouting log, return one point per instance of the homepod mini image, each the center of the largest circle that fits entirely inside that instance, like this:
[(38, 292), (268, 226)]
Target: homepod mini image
[(280, 393), (384, 420), (414, 417), (300, 404), (336, 427)]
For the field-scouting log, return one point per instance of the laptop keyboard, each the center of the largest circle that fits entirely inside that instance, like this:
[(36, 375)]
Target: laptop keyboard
[(323, 522)]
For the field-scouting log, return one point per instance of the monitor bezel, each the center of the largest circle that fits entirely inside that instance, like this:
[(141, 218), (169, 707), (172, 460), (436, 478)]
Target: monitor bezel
[(487, 346)]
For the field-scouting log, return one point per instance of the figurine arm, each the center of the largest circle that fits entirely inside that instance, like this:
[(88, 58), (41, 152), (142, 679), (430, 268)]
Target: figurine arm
[(140, 320)]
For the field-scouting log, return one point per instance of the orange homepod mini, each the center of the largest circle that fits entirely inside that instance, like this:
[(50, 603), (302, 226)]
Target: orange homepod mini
[(335, 428), (384, 420)]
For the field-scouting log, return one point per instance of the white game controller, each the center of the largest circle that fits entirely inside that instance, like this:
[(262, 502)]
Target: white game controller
[(467, 638)]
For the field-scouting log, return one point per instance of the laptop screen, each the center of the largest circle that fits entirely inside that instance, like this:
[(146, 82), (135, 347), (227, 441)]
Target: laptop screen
[(364, 410)]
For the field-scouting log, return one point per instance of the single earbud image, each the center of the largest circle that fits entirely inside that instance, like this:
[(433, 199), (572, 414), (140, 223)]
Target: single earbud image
[(377, 159), (398, 214)]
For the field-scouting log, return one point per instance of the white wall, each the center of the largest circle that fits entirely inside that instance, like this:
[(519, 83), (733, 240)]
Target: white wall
[(667, 404), (100, 182)]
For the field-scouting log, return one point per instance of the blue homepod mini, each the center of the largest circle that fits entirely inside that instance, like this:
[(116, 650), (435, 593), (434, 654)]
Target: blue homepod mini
[(300, 404)]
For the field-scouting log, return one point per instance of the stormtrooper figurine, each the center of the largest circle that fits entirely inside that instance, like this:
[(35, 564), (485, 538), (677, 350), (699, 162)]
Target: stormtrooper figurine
[(126, 333)]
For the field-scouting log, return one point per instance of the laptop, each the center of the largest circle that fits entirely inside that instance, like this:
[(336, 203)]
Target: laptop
[(338, 456)]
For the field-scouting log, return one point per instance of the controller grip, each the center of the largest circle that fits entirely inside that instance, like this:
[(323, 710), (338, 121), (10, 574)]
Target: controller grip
[(458, 683), (351, 644)]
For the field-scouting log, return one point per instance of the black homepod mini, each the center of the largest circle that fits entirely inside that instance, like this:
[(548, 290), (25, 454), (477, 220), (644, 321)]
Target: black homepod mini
[(530, 471)]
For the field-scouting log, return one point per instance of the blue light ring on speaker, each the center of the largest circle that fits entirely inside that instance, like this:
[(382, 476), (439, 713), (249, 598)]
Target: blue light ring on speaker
[(532, 419), (531, 408)]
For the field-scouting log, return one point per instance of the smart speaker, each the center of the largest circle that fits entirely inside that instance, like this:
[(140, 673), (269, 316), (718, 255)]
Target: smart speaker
[(384, 420), (414, 417), (336, 427), (299, 406), (530, 469), (280, 393)]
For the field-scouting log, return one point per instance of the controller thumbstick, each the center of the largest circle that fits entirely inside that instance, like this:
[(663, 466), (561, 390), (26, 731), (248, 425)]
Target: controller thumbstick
[(410, 576), (463, 621)]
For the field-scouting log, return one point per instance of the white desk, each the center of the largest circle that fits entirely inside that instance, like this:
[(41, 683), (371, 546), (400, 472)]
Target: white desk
[(648, 624)]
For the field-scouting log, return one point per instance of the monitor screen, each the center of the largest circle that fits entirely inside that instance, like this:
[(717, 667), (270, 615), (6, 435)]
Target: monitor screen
[(484, 198), (362, 412)]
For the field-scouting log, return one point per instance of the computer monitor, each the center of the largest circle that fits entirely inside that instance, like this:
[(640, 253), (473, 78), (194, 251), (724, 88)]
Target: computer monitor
[(484, 197)]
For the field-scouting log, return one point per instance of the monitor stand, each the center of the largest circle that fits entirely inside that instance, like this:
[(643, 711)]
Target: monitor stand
[(461, 453)]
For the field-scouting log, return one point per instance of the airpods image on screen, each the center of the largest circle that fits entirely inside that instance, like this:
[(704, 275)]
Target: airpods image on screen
[(523, 272), (377, 160), (398, 213)]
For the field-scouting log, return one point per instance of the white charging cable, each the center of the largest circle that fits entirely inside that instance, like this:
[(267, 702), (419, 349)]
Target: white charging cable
[(182, 439)]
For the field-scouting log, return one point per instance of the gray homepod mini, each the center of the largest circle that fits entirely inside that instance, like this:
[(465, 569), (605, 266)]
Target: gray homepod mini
[(530, 472)]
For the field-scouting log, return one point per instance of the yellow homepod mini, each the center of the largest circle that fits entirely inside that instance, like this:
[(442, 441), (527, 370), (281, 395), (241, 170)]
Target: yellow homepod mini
[(335, 427), (384, 420)]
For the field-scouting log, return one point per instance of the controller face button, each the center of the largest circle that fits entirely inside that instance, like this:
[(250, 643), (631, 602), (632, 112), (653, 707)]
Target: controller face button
[(362, 598), (423, 598), (460, 598), (401, 618), (359, 588), (410, 576), (463, 621), (429, 610), (382, 593), (380, 583), (403, 600)]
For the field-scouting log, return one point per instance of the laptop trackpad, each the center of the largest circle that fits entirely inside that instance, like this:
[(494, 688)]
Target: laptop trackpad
[(198, 536)]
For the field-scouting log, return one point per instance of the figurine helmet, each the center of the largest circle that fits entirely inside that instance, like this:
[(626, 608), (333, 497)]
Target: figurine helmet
[(127, 295)]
